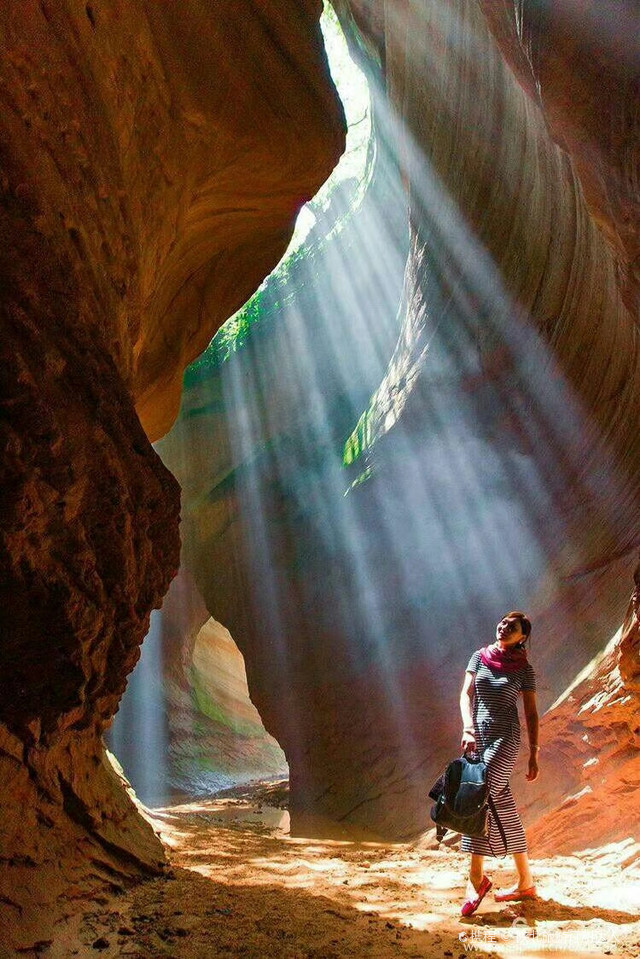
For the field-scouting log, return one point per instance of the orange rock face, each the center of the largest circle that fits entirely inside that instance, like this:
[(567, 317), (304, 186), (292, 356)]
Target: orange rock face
[(201, 732), (579, 61), (133, 154), (590, 792), (543, 135), (578, 66), (153, 160)]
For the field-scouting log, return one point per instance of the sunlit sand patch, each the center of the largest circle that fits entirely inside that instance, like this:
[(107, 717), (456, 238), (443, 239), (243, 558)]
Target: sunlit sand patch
[(239, 887), (588, 904)]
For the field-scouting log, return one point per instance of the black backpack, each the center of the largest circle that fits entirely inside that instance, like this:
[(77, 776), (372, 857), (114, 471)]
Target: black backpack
[(463, 801)]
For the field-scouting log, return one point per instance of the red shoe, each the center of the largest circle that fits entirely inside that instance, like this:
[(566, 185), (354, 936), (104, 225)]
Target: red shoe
[(515, 895), (471, 905)]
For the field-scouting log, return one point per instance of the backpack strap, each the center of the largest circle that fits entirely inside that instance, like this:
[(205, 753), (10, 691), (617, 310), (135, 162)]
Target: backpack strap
[(494, 813)]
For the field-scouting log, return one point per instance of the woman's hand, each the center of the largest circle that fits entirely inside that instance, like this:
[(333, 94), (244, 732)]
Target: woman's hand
[(468, 740), (532, 772)]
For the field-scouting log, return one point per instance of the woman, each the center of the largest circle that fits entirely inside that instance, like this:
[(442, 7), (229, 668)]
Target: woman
[(494, 678)]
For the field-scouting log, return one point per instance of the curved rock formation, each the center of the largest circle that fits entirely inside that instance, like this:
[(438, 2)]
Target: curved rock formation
[(497, 463), (590, 792), (258, 453), (526, 334), (151, 168), (153, 160), (186, 725), (230, 744), (89, 544), (578, 61)]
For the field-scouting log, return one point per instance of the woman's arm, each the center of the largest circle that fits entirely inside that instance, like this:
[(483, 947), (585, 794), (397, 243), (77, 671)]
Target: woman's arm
[(533, 726), (466, 710)]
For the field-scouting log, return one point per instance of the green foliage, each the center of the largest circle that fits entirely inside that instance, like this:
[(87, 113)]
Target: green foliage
[(316, 225), (359, 441), (361, 478)]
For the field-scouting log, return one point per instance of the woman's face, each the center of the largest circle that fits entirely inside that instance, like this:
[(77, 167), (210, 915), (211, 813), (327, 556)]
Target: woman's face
[(509, 631)]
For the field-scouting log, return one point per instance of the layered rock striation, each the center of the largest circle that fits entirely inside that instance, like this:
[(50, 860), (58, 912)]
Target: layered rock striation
[(590, 791), (153, 160), (520, 320), (258, 453), (579, 63), (496, 464), (186, 726), (151, 168)]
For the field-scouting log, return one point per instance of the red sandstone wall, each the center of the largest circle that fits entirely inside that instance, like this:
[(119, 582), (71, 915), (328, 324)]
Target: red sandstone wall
[(153, 159)]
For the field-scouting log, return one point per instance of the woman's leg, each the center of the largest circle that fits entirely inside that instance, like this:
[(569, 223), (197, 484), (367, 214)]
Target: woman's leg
[(524, 883), (500, 757), (525, 879), (476, 891), (476, 870)]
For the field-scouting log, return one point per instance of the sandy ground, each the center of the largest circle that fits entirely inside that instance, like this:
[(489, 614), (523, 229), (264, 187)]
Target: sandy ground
[(241, 886)]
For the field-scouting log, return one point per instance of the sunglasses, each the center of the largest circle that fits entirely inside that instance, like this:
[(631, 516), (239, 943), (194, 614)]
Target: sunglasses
[(512, 625)]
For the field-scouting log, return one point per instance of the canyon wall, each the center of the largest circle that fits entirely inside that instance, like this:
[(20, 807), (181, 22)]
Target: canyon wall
[(186, 727), (152, 165), (153, 161), (496, 463), (591, 787)]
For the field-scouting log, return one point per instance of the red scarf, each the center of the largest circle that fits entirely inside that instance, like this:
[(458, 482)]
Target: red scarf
[(508, 660)]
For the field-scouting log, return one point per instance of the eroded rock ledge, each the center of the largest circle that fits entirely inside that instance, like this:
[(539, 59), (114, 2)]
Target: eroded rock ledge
[(591, 787), (153, 160)]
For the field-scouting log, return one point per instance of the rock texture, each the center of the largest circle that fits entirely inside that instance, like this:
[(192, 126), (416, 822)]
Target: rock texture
[(578, 61), (151, 167), (497, 462), (89, 544), (519, 330), (186, 726), (543, 311), (591, 788), (225, 742), (258, 453), (152, 163)]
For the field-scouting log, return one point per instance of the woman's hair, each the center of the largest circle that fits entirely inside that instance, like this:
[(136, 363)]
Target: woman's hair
[(525, 624)]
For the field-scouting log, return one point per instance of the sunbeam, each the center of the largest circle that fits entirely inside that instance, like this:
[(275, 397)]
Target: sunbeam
[(139, 736), (394, 440)]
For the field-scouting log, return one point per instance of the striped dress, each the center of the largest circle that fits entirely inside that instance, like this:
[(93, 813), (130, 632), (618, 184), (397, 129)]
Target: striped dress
[(495, 717)]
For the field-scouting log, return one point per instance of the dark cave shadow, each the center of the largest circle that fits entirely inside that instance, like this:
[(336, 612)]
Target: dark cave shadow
[(549, 909), (259, 921)]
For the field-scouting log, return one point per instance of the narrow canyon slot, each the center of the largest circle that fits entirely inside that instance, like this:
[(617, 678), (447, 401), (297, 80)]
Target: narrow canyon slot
[(320, 354)]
